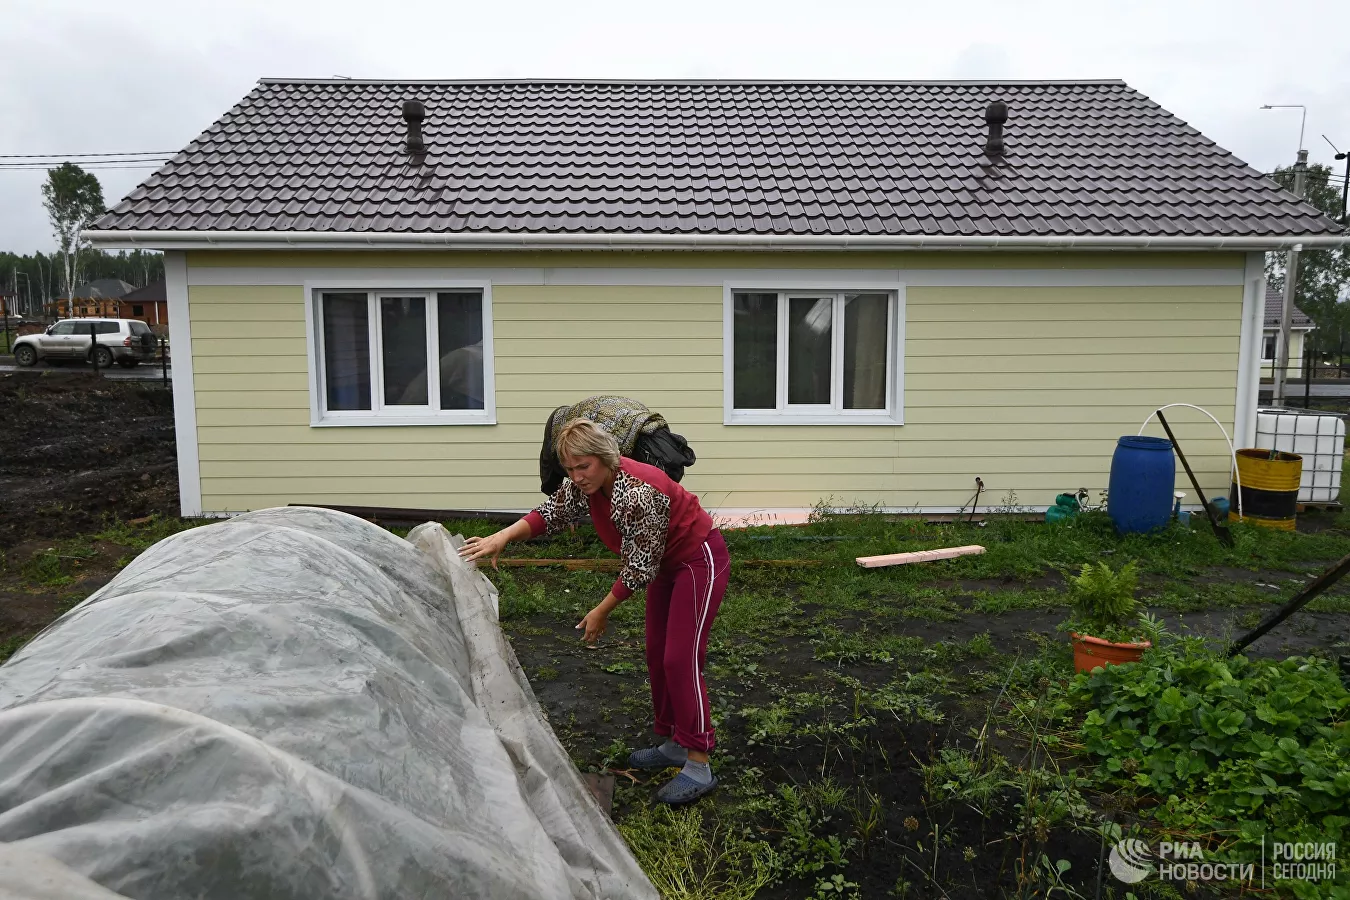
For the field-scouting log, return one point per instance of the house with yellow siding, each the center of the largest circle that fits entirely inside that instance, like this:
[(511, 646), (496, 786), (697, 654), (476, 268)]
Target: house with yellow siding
[(1300, 326), (851, 292)]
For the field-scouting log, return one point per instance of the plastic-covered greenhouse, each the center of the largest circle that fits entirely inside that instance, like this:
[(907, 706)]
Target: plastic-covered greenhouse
[(293, 703)]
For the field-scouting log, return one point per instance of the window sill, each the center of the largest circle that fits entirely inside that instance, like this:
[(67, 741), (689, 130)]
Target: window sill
[(776, 418), (358, 421)]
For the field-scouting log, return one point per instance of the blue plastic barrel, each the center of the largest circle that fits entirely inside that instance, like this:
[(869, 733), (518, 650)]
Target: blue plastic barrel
[(1143, 474)]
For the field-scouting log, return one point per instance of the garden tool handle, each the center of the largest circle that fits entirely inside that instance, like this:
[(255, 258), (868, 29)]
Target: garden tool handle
[(1221, 533)]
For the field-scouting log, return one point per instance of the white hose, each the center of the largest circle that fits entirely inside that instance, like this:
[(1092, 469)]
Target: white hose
[(1237, 475)]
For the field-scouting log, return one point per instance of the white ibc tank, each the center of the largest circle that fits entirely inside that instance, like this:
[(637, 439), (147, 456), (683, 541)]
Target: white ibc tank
[(1318, 437)]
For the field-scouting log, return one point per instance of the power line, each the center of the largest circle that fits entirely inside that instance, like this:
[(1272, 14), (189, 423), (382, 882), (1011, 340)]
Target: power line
[(85, 155), (4, 167)]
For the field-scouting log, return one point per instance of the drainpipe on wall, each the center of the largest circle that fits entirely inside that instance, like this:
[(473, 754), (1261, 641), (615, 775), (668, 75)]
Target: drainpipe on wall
[(1250, 340)]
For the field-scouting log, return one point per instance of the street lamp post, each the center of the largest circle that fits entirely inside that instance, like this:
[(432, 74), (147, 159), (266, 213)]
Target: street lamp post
[(1290, 267)]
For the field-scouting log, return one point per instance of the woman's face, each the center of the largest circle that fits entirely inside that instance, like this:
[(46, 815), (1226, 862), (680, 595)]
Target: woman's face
[(586, 472)]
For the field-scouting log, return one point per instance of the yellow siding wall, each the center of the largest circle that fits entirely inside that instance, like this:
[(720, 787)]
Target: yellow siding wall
[(1027, 388)]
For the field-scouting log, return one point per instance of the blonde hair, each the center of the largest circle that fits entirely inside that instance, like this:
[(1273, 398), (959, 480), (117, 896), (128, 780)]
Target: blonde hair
[(582, 437)]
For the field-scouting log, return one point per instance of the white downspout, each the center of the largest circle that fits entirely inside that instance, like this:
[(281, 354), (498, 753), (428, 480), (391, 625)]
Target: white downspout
[(184, 391), (1249, 349)]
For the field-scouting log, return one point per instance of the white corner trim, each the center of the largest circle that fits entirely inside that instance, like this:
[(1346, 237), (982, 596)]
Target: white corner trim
[(1249, 349), (444, 280), (372, 278), (184, 393), (898, 335), (372, 240)]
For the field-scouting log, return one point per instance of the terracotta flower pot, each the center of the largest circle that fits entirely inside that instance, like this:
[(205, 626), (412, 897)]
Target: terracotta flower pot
[(1090, 652)]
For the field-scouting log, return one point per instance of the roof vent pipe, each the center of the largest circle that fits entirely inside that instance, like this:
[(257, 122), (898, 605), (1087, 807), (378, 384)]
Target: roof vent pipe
[(413, 113), (995, 114)]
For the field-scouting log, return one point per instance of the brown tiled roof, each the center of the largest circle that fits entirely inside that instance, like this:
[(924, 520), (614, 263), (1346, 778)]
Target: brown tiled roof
[(151, 293), (101, 289), (1275, 306), (705, 158)]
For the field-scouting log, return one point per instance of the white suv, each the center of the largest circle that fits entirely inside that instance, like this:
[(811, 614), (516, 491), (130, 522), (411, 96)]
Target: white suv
[(124, 341)]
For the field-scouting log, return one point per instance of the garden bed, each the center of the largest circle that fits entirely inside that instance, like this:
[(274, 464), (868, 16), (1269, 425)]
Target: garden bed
[(889, 732)]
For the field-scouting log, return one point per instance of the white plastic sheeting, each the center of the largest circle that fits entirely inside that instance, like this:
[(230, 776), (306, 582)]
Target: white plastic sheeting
[(292, 704)]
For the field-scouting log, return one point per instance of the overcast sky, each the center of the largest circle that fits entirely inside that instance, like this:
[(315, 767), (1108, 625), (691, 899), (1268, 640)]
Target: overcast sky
[(149, 75)]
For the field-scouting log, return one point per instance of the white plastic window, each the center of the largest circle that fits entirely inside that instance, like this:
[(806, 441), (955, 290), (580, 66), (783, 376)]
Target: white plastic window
[(402, 357), (811, 357)]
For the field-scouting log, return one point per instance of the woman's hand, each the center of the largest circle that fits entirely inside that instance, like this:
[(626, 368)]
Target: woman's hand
[(476, 548), (593, 624)]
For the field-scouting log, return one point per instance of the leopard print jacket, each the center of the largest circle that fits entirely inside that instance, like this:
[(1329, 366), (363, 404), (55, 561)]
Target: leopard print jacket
[(640, 513)]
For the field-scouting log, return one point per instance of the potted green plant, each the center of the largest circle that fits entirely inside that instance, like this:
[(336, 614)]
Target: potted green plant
[(1105, 628)]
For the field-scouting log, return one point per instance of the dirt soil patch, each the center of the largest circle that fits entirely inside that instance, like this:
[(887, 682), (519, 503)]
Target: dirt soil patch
[(76, 450)]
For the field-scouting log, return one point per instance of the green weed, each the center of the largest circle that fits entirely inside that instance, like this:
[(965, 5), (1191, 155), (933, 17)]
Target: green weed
[(803, 850), (827, 793), (58, 565), (960, 775), (835, 886), (615, 754), (981, 646), (867, 814), (144, 535), (686, 861), (911, 698)]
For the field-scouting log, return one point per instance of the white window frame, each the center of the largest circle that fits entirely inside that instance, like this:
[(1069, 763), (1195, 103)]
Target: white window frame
[(1272, 340), (817, 414), (379, 414)]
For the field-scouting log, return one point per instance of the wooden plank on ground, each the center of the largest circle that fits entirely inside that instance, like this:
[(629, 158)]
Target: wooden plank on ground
[(917, 556)]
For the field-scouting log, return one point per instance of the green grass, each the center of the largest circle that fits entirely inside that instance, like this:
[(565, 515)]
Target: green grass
[(11, 645), (144, 535), (59, 564), (688, 860)]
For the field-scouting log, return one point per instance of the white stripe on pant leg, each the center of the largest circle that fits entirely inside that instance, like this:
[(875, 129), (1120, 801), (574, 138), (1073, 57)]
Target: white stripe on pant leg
[(698, 638), (693, 580), (693, 587)]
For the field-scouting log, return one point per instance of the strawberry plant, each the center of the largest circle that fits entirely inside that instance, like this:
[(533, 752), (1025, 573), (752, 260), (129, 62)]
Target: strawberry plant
[(1236, 751)]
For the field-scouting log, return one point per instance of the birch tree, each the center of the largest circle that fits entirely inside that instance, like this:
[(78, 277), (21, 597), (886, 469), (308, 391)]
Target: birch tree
[(73, 199)]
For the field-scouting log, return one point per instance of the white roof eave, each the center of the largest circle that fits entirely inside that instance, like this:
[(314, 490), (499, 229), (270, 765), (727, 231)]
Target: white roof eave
[(335, 240)]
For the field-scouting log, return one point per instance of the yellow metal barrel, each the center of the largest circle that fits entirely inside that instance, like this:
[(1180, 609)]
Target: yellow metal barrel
[(1270, 482)]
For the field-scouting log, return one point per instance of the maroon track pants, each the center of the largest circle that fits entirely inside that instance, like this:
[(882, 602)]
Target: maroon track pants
[(681, 606)]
